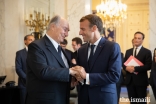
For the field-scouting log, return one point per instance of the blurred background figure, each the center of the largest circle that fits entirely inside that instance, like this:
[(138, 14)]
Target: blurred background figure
[(68, 52), (20, 64), (76, 44), (153, 74), (136, 76)]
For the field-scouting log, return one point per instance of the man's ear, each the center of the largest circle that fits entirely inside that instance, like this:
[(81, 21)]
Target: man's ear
[(52, 27), (94, 28), (25, 42), (79, 45)]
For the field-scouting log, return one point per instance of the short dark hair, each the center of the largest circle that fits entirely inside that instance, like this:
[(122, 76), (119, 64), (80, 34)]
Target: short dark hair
[(65, 42), (25, 38), (138, 32), (94, 20), (77, 40)]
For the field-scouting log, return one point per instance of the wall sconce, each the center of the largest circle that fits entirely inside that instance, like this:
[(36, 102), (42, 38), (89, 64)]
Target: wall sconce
[(37, 21)]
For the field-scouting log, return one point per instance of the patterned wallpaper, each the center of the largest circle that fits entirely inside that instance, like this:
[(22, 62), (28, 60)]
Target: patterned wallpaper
[(2, 38)]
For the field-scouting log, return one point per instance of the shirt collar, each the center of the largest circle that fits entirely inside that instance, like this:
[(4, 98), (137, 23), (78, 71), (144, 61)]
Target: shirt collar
[(97, 42), (26, 47), (53, 42), (138, 47)]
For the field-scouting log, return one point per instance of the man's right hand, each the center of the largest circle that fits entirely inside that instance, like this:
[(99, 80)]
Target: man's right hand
[(78, 72)]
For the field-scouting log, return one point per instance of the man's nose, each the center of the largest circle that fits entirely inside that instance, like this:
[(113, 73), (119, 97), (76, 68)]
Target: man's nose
[(66, 33)]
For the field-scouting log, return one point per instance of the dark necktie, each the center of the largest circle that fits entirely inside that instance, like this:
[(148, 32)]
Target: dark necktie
[(91, 56), (59, 50), (135, 52)]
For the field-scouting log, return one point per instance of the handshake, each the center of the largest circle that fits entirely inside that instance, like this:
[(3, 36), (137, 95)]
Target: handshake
[(78, 72)]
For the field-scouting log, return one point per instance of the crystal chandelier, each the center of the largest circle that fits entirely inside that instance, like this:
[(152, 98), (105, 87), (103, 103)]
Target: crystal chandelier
[(112, 12)]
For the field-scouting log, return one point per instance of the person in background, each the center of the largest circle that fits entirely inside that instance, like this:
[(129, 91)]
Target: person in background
[(76, 44), (136, 76), (68, 52), (49, 74), (153, 74), (101, 60), (20, 64)]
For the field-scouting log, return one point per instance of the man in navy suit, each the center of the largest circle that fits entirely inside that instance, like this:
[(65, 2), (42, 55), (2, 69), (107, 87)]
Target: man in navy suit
[(48, 73), (102, 64), (20, 63), (136, 76)]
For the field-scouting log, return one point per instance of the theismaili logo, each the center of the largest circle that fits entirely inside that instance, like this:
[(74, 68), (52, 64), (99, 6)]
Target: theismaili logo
[(146, 99)]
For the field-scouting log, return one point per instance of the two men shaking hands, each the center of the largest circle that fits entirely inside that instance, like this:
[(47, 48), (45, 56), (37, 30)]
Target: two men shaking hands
[(78, 73)]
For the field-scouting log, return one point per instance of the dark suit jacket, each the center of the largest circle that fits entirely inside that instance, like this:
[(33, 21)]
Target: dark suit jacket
[(47, 76), (20, 64), (141, 79), (69, 54), (103, 75), (74, 55), (121, 75), (153, 73)]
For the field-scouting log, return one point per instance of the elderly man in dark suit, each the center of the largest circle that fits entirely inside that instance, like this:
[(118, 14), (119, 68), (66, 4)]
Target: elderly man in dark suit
[(20, 64), (48, 74), (101, 60), (136, 76)]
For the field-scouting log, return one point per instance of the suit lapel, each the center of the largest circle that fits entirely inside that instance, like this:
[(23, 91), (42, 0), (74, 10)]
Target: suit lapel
[(139, 53), (52, 49), (97, 52), (131, 52)]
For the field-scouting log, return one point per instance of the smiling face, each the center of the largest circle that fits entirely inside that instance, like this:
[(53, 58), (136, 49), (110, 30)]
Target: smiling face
[(75, 45), (86, 31), (60, 30)]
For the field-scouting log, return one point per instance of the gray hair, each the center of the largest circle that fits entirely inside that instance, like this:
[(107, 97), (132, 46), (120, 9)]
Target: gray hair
[(55, 20)]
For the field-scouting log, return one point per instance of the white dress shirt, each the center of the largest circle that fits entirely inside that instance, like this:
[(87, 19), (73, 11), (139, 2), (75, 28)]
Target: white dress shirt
[(26, 47), (137, 51)]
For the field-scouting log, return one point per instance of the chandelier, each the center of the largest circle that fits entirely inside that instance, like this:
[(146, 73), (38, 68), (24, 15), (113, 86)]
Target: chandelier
[(112, 12), (37, 20)]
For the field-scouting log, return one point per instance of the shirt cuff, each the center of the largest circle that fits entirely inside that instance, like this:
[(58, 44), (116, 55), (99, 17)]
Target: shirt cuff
[(87, 79), (70, 71), (82, 82)]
